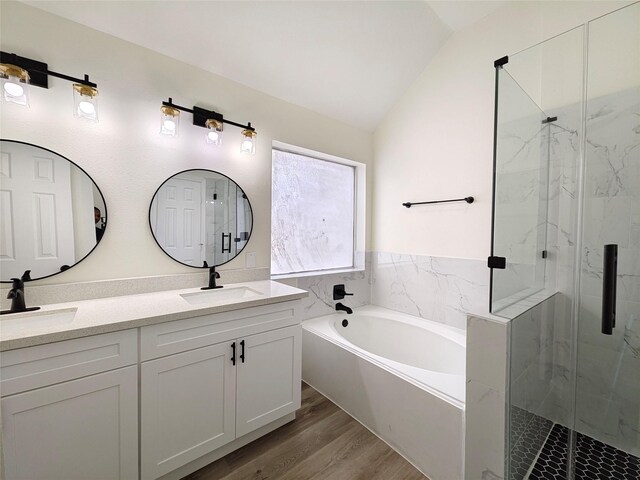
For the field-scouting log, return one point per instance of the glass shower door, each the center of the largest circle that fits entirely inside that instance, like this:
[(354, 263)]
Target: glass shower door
[(607, 390), (520, 205)]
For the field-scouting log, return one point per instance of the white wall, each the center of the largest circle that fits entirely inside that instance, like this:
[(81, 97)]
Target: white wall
[(124, 153), (437, 141)]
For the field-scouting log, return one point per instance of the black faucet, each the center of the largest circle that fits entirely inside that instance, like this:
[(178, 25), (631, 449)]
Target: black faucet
[(16, 294), (213, 275), (339, 292), (344, 308)]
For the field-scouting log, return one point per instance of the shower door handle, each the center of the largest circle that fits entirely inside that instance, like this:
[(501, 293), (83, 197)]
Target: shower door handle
[(609, 281), (226, 250)]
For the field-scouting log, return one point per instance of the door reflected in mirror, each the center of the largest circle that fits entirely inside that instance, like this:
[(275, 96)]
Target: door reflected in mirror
[(52, 214), (201, 218)]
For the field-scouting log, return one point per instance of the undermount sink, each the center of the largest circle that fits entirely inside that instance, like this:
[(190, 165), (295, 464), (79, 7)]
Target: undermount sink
[(36, 320), (220, 295)]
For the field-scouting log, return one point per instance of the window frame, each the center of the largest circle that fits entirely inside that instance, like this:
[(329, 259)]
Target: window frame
[(359, 213)]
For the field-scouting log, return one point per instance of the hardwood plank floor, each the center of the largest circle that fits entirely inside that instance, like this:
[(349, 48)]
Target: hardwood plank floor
[(323, 443)]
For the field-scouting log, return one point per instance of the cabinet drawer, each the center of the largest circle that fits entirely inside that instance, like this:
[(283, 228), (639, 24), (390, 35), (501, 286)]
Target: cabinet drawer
[(34, 367), (182, 335)]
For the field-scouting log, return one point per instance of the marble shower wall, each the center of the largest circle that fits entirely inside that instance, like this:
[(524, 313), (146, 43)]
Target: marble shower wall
[(532, 366), (608, 384), (436, 288), (521, 196), (608, 380)]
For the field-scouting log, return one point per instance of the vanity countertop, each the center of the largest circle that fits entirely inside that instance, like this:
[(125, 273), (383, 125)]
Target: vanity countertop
[(93, 317)]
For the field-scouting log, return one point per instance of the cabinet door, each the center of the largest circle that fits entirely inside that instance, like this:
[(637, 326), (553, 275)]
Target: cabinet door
[(188, 407), (268, 385), (82, 429)]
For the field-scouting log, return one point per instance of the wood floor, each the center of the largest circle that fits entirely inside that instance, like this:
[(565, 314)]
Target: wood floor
[(323, 443)]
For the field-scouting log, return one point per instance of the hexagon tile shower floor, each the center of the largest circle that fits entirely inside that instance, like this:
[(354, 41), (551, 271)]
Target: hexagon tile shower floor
[(595, 460)]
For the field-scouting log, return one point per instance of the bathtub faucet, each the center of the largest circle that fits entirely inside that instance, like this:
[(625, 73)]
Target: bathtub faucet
[(344, 308)]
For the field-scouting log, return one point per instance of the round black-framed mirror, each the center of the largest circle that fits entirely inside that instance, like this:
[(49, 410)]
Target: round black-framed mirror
[(201, 218), (52, 213)]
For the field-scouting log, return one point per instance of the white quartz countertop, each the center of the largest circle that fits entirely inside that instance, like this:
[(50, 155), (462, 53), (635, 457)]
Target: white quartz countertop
[(56, 322)]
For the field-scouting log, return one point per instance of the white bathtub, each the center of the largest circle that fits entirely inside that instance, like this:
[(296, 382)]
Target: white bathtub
[(401, 376)]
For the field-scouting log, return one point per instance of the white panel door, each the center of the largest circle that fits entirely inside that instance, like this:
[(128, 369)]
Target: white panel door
[(78, 430), (179, 222), (36, 229), (188, 407), (269, 376)]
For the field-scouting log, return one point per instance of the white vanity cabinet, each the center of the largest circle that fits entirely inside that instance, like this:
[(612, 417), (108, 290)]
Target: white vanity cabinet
[(70, 409), (209, 380), (268, 377)]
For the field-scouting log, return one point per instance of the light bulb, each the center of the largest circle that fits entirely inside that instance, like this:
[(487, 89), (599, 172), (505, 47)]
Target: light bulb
[(87, 108), (169, 121), (85, 101), (13, 89), (15, 84), (214, 132)]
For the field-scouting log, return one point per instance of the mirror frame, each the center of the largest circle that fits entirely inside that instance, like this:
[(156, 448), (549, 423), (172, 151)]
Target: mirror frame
[(206, 170), (95, 185)]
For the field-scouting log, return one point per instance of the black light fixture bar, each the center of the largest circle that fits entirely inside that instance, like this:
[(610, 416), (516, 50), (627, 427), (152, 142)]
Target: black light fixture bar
[(465, 199), (201, 115), (39, 71), (84, 81)]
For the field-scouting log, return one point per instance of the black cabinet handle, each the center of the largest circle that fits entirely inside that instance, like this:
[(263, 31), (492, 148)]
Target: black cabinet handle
[(233, 353), (242, 354), (609, 287)]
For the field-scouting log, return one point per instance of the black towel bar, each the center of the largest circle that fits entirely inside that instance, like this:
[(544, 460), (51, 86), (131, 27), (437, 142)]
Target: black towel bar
[(465, 199)]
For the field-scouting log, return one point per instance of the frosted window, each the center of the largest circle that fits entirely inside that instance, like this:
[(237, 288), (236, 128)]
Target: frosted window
[(312, 214)]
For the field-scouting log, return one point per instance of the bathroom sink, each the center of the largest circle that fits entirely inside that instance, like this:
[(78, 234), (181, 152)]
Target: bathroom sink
[(36, 320), (220, 295)]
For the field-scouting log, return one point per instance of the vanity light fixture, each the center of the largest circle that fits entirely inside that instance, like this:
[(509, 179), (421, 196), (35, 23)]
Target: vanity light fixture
[(209, 119), (17, 73)]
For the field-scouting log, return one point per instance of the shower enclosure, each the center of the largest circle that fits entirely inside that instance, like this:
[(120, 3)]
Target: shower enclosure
[(566, 250)]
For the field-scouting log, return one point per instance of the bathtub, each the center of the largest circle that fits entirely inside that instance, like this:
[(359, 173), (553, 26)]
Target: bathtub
[(401, 376)]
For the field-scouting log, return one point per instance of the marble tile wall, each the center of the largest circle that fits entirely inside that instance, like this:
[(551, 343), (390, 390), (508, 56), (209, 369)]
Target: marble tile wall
[(435, 288), (608, 406), (320, 287), (531, 370), (486, 398), (520, 202), (608, 386)]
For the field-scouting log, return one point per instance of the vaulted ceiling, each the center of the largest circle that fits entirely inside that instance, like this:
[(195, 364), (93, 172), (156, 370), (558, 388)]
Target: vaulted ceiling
[(349, 60)]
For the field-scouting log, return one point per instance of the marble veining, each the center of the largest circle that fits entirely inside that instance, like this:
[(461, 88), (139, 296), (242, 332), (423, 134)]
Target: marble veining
[(437, 288), (320, 287)]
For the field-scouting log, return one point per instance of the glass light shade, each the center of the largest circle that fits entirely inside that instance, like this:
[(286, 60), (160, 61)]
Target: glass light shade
[(15, 84), (169, 121), (248, 144), (85, 102), (214, 132)]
